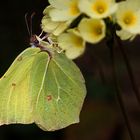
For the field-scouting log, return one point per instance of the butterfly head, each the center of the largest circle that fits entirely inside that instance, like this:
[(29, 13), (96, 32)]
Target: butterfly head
[(34, 41)]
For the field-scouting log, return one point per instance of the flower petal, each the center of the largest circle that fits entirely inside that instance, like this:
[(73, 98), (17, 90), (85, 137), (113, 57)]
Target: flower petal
[(128, 16), (64, 12), (124, 35), (59, 15), (50, 26), (59, 4), (73, 44), (92, 30), (98, 8)]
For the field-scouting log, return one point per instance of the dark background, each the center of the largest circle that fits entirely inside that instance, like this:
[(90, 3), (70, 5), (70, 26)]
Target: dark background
[(14, 35), (101, 118)]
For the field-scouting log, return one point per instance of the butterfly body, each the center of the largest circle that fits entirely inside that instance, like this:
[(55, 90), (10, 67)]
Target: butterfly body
[(36, 41), (33, 41)]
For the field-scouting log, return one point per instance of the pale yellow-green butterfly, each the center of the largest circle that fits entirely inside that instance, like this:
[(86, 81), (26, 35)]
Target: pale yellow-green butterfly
[(42, 86)]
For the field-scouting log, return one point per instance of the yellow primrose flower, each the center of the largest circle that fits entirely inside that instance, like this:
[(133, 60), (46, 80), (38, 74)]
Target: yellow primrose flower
[(128, 16), (54, 27), (72, 44), (98, 8), (50, 26), (64, 10), (92, 30), (124, 35)]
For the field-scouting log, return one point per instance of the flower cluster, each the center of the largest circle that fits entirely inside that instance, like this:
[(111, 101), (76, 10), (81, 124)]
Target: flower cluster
[(90, 24)]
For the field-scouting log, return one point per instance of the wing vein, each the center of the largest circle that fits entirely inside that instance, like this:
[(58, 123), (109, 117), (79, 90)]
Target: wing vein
[(8, 103), (65, 73), (58, 98), (15, 116), (43, 79), (58, 86)]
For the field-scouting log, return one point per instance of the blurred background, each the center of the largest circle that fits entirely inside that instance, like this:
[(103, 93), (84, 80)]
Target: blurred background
[(100, 118)]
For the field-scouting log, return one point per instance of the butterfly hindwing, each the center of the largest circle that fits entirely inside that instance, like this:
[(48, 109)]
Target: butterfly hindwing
[(58, 91)]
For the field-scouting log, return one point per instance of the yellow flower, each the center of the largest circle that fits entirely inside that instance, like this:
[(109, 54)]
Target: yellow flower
[(64, 10), (54, 27), (124, 35), (72, 43), (92, 30), (98, 8), (128, 17)]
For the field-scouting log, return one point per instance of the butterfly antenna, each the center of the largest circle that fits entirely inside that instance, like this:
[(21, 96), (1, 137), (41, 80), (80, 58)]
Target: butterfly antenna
[(27, 24), (31, 30)]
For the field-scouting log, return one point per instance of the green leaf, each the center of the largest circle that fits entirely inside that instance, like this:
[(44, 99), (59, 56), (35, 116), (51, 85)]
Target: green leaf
[(40, 89)]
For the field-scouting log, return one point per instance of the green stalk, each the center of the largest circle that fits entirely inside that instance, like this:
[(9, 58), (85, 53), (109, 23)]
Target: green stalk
[(129, 69), (119, 95)]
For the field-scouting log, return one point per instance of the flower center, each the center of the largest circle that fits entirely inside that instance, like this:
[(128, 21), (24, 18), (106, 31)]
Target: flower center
[(74, 10), (129, 19), (97, 30), (99, 7), (78, 41)]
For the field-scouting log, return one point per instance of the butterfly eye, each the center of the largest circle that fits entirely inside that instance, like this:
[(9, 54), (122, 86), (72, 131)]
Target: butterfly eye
[(34, 40)]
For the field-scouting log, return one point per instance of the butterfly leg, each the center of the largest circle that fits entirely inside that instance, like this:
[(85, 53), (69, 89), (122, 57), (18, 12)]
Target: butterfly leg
[(40, 34)]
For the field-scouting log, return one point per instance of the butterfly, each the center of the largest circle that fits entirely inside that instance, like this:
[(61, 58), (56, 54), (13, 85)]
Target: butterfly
[(42, 86)]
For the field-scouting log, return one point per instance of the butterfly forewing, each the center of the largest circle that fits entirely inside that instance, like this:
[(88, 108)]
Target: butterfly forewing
[(15, 101)]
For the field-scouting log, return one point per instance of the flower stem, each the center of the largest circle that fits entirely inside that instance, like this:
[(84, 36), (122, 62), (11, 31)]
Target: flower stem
[(129, 69), (119, 96)]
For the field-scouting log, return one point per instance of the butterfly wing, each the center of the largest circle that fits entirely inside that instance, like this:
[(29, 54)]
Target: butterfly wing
[(58, 91), (49, 92), (15, 101)]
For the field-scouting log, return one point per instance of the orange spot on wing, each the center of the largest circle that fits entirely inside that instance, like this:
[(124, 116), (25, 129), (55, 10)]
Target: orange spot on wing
[(49, 98), (13, 84)]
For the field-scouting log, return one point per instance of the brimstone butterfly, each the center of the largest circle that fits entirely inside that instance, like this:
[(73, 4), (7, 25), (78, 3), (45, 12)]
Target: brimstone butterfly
[(42, 86)]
